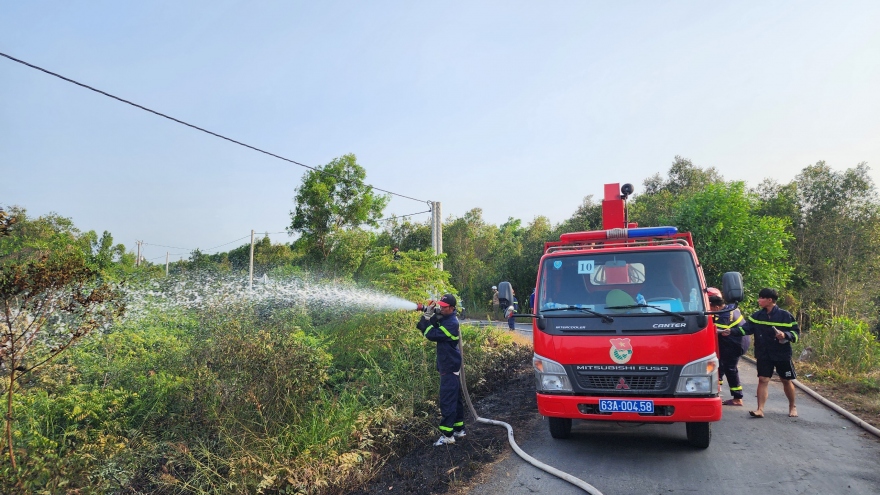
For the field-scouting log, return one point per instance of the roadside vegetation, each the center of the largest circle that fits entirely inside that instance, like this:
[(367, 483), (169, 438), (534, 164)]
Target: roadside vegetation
[(104, 394)]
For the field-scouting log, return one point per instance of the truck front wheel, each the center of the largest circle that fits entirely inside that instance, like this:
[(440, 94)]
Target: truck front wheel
[(560, 427), (699, 434)]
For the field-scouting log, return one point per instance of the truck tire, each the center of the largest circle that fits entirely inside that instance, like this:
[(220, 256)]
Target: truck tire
[(699, 434), (560, 427)]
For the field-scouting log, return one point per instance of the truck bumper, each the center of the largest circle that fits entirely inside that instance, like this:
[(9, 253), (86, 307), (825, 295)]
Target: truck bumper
[(667, 410)]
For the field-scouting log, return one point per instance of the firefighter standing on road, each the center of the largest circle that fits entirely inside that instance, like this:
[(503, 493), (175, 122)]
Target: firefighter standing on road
[(774, 330), (730, 344), (443, 329)]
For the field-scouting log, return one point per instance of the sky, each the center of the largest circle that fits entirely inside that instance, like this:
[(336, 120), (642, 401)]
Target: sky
[(520, 109)]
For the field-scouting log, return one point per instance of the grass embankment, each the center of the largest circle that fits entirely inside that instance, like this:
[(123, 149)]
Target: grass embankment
[(843, 364), (233, 400)]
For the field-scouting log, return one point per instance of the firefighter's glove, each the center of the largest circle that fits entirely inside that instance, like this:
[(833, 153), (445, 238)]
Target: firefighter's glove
[(429, 311)]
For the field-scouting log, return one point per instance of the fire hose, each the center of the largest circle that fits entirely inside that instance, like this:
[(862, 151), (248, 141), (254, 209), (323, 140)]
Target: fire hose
[(531, 460)]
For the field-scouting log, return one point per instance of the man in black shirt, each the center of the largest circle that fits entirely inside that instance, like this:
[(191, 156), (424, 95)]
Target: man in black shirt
[(774, 330)]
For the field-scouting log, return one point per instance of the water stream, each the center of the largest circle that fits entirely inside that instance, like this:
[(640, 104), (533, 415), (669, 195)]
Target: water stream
[(191, 292)]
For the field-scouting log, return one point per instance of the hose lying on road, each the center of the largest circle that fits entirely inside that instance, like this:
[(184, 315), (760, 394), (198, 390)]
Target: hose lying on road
[(848, 415), (531, 460)]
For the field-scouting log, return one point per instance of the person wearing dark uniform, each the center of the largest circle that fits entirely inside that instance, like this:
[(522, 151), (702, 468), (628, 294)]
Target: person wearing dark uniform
[(730, 346), (774, 330), (443, 329)]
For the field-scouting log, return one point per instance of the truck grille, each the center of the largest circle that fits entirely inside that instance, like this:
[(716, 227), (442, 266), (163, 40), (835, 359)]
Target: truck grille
[(612, 382)]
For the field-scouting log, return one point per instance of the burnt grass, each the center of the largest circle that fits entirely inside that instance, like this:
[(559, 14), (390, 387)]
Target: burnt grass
[(416, 466)]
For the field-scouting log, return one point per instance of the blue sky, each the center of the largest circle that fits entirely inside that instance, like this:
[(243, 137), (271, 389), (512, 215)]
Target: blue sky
[(518, 108)]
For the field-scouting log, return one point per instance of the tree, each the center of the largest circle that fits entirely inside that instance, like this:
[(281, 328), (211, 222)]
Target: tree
[(349, 247), (588, 216), (656, 204), (6, 222), (729, 236), (837, 241), (331, 198), (49, 302), (405, 235), (469, 243), (412, 276)]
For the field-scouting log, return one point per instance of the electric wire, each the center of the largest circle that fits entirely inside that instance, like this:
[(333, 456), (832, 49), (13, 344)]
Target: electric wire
[(230, 242), (169, 247), (59, 76), (401, 216)]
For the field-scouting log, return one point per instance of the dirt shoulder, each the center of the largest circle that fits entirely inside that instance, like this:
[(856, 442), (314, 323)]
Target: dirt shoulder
[(419, 467)]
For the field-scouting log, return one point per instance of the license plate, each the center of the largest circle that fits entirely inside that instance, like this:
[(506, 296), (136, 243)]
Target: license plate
[(632, 406)]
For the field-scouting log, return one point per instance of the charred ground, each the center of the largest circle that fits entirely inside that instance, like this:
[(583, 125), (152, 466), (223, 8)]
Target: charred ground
[(417, 466)]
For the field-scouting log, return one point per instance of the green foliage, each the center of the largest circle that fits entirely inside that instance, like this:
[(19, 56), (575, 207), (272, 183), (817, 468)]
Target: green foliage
[(412, 275), (729, 237), (348, 252), (332, 198), (843, 344), (405, 235), (837, 241), (68, 435)]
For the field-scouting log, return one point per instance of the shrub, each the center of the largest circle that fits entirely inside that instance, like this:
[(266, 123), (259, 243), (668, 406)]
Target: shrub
[(844, 344)]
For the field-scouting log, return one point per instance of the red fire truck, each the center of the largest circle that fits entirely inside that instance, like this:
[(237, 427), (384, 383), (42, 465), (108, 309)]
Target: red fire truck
[(621, 327)]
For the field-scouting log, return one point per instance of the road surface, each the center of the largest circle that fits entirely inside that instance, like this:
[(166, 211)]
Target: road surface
[(819, 452)]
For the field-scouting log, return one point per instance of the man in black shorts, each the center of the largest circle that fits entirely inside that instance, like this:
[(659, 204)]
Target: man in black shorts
[(774, 330)]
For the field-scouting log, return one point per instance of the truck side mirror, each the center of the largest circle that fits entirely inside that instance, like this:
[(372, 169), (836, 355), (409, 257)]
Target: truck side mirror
[(732, 287)]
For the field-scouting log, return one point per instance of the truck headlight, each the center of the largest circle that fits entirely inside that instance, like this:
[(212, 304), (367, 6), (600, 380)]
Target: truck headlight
[(550, 375), (698, 377)]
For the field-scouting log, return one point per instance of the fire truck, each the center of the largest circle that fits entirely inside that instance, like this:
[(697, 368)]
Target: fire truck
[(621, 327)]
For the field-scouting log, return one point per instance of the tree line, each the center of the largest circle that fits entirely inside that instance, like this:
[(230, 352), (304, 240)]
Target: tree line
[(813, 238)]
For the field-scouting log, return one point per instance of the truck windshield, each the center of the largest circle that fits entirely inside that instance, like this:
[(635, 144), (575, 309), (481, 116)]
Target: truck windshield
[(620, 283)]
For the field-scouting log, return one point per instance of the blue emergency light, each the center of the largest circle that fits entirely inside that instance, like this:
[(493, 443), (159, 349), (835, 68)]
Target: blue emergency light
[(651, 232)]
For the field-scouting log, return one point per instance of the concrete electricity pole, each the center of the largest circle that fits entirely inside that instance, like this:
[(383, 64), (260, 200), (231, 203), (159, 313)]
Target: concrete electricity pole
[(437, 231), (251, 271), (137, 261), (166, 263)]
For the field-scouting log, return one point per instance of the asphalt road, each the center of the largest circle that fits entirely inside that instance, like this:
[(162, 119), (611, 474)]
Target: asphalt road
[(819, 452)]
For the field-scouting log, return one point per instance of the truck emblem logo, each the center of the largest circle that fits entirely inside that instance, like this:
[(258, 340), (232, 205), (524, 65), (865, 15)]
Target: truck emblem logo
[(621, 384), (621, 350)]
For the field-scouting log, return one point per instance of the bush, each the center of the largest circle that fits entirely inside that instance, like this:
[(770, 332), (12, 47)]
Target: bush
[(844, 344)]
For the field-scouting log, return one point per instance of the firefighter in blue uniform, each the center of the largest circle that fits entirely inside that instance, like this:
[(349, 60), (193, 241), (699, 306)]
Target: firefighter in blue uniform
[(443, 329), (774, 330), (730, 345)]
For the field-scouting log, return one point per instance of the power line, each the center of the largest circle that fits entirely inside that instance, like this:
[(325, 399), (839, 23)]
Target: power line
[(230, 242), (193, 126), (169, 247), (401, 216)]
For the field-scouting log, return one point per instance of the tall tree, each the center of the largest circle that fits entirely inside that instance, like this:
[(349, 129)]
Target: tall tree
[(729, 236), (331, 198), (654, 205), (837, 241), (468, 243), (588, 216)]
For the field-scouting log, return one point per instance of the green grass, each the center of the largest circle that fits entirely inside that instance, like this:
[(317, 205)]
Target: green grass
[(239, 399)]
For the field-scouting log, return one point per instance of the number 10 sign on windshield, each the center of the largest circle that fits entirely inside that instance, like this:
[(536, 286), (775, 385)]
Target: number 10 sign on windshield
[(586, 266)]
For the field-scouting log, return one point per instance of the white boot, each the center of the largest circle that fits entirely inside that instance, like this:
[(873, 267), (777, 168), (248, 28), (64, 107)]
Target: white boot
[(444, 440)]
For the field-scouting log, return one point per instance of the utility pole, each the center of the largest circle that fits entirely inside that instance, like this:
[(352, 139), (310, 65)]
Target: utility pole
[(137, 261), (166, 263), (251, 275), (437, 231)]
